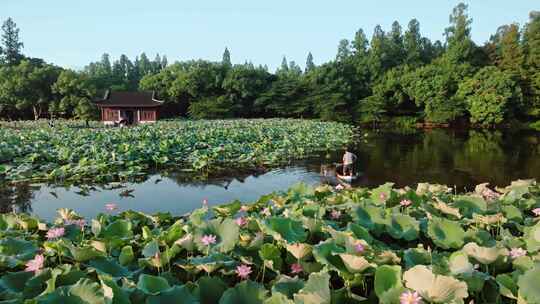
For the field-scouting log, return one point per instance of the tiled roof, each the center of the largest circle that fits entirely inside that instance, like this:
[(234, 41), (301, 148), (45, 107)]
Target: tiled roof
[(129, 99)]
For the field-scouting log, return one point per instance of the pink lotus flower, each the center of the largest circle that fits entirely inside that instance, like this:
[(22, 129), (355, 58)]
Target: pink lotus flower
[(205, 202), (243, 271), (111, 206), (359, 248), (405, 203), (241, 221), (382, 196), (80, 222), (339, 187), (296, 268), (208, 239), (36, 263), (536, 211), (55, 233), (517, 252), (266, 211), (409, 297), (335, 214)]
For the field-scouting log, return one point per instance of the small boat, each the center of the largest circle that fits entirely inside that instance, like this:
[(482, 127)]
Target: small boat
[(345, 178)]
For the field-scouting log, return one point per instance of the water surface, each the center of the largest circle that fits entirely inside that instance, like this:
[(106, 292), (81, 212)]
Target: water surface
[(452, 157)]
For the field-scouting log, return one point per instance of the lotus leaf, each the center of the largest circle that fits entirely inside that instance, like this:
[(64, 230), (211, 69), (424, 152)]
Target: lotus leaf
[(435, 288), (532, 237), (316, 290), (285, 229), (83, 292), (14, 252), (484, 255), (245, 292), (445, 233), (528, 285), (287, 286), (152, 285), (387, 278)]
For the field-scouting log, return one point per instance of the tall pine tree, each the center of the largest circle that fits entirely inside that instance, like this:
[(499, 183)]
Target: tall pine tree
[(10, 50), (310, 66)]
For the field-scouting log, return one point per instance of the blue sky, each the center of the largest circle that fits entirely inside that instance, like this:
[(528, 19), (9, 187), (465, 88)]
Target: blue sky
[(71, 33)]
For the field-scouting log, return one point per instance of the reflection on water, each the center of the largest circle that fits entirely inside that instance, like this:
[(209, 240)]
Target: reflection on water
[(456, 158)]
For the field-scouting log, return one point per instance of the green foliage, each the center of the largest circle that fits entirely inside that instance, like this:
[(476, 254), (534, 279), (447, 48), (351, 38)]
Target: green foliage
[(490, 95), (407, 249)]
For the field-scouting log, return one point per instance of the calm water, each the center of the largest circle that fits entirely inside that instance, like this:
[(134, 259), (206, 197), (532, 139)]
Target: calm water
[(456, 158)]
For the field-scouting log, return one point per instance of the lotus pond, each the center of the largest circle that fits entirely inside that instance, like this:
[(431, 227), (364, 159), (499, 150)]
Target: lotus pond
[(306, 245), (68, 154)]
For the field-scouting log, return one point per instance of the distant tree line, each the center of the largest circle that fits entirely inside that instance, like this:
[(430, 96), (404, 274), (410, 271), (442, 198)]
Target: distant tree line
[(397, 75)]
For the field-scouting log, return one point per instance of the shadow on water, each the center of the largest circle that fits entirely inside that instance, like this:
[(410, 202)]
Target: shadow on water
[(460, 158)]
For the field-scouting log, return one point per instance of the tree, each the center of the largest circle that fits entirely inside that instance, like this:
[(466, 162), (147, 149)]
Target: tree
[(310, 66), (458, 36), (395, 45), (489, 96), (531, 46), (344, 50), (226, 60), (378, 55), (413, 44), (144, 65), (28, 86), (76, 92), (360, 44), (284, 68), (10, 50)]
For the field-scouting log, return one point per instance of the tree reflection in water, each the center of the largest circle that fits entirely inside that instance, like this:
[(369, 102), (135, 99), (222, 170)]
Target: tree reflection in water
[(16, 197)]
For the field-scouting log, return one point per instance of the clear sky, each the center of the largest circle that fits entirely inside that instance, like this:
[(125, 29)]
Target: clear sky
[(71, 33)]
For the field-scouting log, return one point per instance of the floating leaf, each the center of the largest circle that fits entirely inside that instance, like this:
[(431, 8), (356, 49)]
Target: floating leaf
[(435, 288)]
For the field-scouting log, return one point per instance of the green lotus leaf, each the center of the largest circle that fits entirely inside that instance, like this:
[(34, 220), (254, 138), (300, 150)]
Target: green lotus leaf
[(227, 232), (286, 229), (83, 292), (403, 227), (83, 254), (271, 255), (532, 237), (228, 209), (15, 251), (278, 298), (528, 285), (245, 292), (211, 262), (287, 286), (174, 232), (327, 253), (391, 296), (15, 282), (152, 285), (210, 289), (354, 263), (435, 288), (382, 194), (470, 204), (150, 249), (112, 292), (119, 229), (110, 267), (512, 213), (484, 255), (126, 255), (523, 263), (445, 233), (8, 221), (173, 295), (197, 216), (299, 250), (386, 278), (360, 232), (507, 286), (516, 190), (416, 256), (459, 263), (316, 290), (372, 218)]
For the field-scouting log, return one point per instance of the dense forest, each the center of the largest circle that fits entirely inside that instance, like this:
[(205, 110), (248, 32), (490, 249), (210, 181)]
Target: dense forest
[(397, 77)]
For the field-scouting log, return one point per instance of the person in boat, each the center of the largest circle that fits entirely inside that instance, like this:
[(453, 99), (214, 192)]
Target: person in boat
[(349, 159)]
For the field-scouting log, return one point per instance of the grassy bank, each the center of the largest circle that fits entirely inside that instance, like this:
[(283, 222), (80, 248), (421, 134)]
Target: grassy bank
[(304, 246), (68, 153)]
